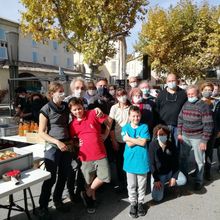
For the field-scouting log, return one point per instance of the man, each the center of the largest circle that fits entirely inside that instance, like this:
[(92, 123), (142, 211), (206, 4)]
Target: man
[(78, 88), (169, 103), (105, 100), (133, 82), (145, 87), (195, 126)]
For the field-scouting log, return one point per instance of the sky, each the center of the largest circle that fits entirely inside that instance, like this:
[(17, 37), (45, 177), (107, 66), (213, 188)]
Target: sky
[(10, 10)]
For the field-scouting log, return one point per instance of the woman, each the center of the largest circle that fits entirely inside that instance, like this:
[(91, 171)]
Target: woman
[(119, 113), (112, 91), (163, 163), (206, 90), (91, 93), (53, 128), (147, 108)]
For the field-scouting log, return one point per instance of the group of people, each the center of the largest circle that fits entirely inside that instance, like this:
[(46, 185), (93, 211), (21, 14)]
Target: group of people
[(101, 126), (27, 106)]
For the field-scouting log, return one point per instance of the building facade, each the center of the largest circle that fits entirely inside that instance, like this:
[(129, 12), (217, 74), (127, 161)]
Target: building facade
[(40, 60)]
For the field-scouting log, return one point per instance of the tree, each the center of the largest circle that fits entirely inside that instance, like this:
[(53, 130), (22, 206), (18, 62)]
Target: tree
[(184, 39), (88, 26)]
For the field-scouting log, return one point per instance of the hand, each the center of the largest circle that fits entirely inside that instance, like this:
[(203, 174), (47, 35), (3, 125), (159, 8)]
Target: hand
[(202, 146), (80, 142), (180, 138), (218, 134), (126, 137), (115, 145), (157, 185), (21, 115), (172, 182), (98, 112), (104, 137), (61, 146)]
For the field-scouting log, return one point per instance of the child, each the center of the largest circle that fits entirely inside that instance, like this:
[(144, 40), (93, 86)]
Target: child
[(92, 153), (136, 160)]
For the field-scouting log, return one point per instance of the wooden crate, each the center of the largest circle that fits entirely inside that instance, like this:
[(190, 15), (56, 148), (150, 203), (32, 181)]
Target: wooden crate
[(34, 138)]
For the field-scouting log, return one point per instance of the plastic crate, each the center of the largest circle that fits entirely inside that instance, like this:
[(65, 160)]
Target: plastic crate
[(8, 130), (23, 161)]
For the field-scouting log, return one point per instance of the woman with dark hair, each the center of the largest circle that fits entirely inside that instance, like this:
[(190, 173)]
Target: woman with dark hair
[(119, 114), (163, 163), (206, 90), (37, 102)]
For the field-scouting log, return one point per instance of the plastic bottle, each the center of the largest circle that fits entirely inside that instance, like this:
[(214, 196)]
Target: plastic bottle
[(31, 127), (20, 129), (35, 128), (25, 128)]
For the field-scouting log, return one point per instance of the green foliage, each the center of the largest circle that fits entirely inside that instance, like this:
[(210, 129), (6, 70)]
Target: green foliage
[(184, 39), (88, 26)]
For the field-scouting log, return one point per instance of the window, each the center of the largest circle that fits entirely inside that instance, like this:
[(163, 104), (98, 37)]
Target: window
[(55, 45), (34, 43), (34, 57), (113, 66), (2, 34), (3, 53), (3, 49), (69, 63), (55, 60)]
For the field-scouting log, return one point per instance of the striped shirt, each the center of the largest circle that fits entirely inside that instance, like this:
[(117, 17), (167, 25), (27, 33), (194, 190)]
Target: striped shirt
[(195, 121)]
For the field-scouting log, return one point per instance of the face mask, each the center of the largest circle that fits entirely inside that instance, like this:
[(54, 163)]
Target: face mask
[(102, 91), (59, 98), (207, 94), (133, 84), (112, 92), (192, 99), (162, 138), (145, 91), (122, 99), (215, 94), (92, 92), (136, 99), (171, 85), (79, 93), (36, 102), (22, 96)]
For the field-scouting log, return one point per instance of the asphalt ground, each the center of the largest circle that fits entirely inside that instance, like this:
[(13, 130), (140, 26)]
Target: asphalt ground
[(180, 204)]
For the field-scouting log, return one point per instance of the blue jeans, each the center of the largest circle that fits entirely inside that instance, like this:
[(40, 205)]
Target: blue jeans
[(174, 136), (158, 194), (185, 148)]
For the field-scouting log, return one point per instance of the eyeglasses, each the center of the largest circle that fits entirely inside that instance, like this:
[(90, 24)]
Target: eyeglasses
[(171, 97)]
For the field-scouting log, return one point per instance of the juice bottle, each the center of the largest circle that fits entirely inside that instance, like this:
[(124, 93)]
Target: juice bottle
[(32, 127), (20, 129), (25, 128), (35, 128)]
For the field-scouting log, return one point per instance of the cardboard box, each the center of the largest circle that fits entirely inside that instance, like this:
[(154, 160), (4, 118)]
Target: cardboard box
[(34, 138), (23, 161)]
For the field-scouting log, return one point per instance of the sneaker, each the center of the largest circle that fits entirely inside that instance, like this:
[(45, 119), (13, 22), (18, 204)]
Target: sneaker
[(197, 186), (133, 211), (207, 176), (141, 210), (88, 202), (91, 207), (43, 214), (62, 207)]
